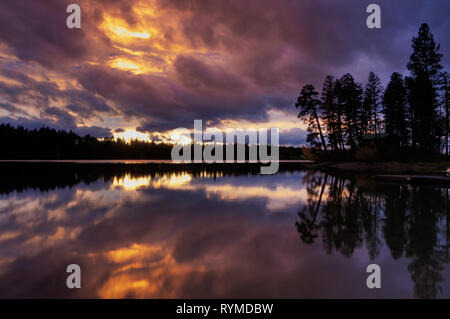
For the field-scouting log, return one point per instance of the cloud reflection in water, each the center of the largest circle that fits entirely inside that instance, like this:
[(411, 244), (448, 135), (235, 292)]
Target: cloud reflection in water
[(175, 235)]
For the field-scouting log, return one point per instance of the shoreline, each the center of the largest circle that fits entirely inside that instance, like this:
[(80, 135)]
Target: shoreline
[(376, 168), (419, 168)]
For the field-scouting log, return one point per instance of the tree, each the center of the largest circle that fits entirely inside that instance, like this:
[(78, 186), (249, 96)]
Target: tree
[(446, 105), (371, 106), (331, 114), (425, 68), (395, 108), (309, 104), (349, 96)]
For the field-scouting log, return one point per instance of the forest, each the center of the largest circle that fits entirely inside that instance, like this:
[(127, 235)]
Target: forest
[(406, 120), (19, 143), (48, 144)]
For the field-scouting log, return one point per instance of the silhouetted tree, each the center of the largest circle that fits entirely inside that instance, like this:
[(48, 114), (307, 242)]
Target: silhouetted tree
[(446, 105), (395, 109), (371, 106), (309, 104), (349, 96), (425, 68), (331, 114)]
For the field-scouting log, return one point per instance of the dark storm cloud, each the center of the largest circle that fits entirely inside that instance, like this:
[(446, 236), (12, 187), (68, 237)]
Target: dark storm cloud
[(62, 118), (295, 137), (95, 103), (39, 95), (165, 105), (11, 108), (197, 76), (291, 40), (35, 31), (27, 88), (137, 94), (53, 117), (95, 131), (275, 47)]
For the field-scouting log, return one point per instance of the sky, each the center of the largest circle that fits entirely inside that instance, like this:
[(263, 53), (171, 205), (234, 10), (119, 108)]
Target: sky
[(141, 68)]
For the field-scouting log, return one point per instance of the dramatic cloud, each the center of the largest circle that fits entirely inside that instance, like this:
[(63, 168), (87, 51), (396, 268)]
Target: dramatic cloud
[(153, 66)]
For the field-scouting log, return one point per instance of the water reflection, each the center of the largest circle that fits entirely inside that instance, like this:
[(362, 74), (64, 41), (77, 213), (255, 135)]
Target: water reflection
[(413, 221), (146, 232)]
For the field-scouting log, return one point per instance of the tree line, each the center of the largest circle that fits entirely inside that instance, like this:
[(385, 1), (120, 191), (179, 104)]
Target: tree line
[(46, 143), (49, 144), (413, 111)]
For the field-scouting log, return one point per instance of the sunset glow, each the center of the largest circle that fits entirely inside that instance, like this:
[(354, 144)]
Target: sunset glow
[(131, 134), (122, 32)]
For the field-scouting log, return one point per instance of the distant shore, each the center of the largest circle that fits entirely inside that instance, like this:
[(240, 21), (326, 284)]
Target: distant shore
[(390, 167)]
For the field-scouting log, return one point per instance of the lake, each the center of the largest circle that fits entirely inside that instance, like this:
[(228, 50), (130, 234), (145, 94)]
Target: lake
[(159, 231)]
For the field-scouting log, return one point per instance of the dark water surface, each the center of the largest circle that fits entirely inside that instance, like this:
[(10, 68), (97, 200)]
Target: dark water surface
[(142, 231)]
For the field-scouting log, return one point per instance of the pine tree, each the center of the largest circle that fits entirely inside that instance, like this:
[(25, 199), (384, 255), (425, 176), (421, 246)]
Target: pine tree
[(310, 104), (331, 114), (349, 96), (371, 106), (425, 68), (446, 104), (395, 109)]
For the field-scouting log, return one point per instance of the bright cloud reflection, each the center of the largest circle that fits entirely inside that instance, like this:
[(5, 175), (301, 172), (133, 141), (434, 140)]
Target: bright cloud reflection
[(142, 270), (187, 235), (278, 197), (168, 181), (109, 226), (131, 183), (173, 181)]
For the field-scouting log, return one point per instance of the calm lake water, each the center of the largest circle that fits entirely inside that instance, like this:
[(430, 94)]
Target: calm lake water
[(150, 232)]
